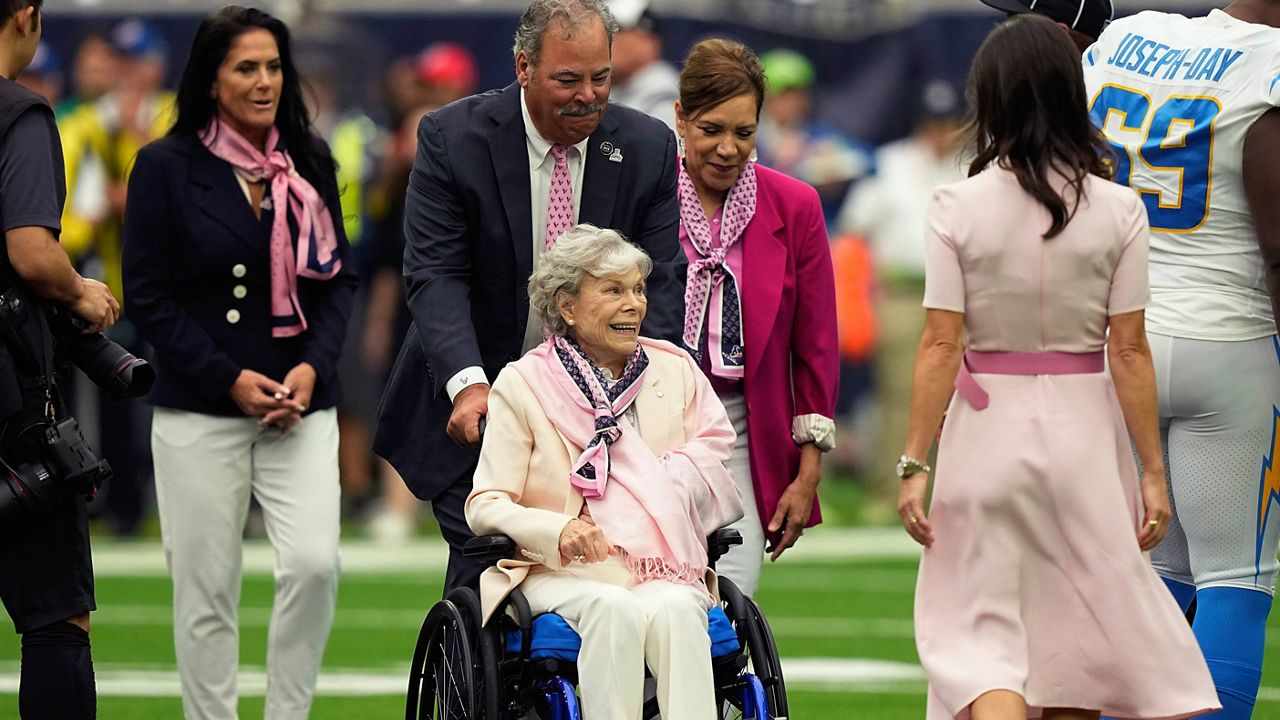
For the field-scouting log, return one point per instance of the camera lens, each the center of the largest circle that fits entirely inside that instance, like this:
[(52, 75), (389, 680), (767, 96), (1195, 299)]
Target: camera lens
[(27, 494), (110, 366)]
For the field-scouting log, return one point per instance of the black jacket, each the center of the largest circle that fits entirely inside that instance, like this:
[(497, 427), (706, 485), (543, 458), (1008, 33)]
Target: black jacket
[(197, 282), (469, 255)]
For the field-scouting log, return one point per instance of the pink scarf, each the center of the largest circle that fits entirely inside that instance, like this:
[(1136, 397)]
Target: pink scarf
[(657, 510), (712, 285), (316, 253)]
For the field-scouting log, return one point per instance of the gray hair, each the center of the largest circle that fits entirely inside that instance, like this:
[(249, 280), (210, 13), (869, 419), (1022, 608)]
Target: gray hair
[(540, 14), (584, 249)]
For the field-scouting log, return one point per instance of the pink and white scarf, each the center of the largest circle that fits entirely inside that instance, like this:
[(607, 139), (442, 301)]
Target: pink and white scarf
[(316, 254), (712, 285), (656, 510)]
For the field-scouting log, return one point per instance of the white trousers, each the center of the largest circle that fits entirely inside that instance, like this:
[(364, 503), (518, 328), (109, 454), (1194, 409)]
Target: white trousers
[(206, 467), (661, 624), (742, 563)]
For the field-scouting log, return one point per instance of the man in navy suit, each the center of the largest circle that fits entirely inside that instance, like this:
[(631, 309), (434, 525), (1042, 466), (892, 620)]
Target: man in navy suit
[(490, 171)]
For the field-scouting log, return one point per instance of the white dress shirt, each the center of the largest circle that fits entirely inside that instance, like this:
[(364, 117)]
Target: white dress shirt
[(541, 165)]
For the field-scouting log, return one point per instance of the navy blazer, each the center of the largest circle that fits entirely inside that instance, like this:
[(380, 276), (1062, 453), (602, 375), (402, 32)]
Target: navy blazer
[(197, 282), (469, 255)]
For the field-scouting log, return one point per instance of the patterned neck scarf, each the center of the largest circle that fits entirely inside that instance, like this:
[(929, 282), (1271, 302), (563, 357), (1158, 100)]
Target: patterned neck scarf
[(316, 255), (590, 474), (712, 285)]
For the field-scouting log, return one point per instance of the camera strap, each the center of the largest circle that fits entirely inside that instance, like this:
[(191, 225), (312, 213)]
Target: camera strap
[(25, 331)]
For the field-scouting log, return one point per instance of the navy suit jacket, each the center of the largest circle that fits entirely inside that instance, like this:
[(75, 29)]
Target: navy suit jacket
[(469, 255), (197, 282)]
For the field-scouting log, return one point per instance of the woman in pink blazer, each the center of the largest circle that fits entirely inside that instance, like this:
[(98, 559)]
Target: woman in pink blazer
[(760, 302)]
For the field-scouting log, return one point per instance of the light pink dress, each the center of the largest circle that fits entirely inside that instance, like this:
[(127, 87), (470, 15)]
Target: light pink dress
[(1035, 582)]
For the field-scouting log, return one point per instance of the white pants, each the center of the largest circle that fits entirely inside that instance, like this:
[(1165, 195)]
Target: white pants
[(661, 624), (206, 467), (1218, 424), (742, 563)]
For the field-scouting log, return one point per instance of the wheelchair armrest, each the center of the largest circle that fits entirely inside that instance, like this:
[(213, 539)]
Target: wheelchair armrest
[(719, 542), (489, 549)]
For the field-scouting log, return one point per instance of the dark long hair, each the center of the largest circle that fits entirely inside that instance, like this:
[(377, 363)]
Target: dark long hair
[(1031, 115), (197, 107)]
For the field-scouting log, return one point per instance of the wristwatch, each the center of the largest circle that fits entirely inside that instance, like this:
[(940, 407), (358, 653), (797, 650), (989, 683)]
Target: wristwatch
[(908, 466)]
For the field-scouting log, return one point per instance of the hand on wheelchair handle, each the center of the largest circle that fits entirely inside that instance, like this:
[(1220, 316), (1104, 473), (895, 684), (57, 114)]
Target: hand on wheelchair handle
[(469, 407)]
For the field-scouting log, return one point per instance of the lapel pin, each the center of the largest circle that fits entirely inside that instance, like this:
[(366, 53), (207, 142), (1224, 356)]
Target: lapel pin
[(616, 155), (606, 147)]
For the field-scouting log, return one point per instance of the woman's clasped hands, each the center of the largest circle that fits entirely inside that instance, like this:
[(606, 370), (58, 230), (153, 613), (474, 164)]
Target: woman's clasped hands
[(275, 404), (582, 541)]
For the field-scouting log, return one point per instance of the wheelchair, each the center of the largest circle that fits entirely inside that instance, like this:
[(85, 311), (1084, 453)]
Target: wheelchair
[(522, 666)]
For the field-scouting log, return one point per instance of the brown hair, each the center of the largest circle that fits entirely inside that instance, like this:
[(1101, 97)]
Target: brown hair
[(718, 70), (1031, 113)]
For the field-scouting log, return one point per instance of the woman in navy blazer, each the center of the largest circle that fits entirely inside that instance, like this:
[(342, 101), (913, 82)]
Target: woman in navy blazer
[(235, 269), (760, 302)]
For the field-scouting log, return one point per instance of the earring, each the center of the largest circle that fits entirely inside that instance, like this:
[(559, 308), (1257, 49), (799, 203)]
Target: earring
[(680, 145), (571, 323), (754, 156)]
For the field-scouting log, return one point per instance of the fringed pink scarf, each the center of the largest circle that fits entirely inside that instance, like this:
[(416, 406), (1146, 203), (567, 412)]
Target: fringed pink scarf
[(316, 255), (656, 510)]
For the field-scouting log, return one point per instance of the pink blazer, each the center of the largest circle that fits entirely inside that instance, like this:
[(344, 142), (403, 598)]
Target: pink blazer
[(789, 319)]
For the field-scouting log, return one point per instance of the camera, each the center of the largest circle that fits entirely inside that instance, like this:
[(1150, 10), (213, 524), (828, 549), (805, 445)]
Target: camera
[(39, 333), (107, 364), (49, 459), (43, 453)]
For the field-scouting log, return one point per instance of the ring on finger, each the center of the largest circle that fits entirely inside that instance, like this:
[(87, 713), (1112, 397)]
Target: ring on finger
[(1154, 523), (914, 519), (578, 558)]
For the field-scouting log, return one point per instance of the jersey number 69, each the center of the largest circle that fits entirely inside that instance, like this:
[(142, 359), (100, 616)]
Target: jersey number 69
[(1174, 145)]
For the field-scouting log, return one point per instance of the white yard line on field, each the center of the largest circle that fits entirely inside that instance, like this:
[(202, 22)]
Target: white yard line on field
[(826, 675), (390, 619), (431, 555), (822, 674)]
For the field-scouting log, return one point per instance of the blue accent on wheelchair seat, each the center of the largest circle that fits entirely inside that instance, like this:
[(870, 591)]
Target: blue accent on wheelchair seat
[(554, 639), (723, 639)]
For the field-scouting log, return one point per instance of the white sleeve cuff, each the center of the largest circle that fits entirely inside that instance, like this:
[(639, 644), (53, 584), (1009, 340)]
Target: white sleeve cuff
[(465, 377), (814, 428)]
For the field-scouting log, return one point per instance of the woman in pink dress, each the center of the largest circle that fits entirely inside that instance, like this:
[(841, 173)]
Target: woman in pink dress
[(1034, 597)]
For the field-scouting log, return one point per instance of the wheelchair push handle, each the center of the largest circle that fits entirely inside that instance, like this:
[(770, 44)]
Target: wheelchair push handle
[(489, 549), (719, 542)]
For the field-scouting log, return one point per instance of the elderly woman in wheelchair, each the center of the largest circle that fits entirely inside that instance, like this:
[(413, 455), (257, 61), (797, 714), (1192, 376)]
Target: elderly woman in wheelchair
[(603, 460)]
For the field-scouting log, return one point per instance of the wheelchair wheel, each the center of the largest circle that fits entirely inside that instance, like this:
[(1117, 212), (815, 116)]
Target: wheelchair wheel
[(760, 650), (442, 679), (485, 673), (775, 687)]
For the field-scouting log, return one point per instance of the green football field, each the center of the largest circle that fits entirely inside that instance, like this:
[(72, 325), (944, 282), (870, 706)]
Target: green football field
[(840, 609)]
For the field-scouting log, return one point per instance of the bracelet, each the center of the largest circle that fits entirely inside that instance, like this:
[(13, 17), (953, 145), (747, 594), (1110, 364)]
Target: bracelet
[(908, 466)]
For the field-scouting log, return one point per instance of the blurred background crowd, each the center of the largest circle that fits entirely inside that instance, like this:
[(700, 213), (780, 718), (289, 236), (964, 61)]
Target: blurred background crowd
[(865, 100)]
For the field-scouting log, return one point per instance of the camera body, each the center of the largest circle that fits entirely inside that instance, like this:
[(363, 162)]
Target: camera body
[(49, 460), (43, 453)]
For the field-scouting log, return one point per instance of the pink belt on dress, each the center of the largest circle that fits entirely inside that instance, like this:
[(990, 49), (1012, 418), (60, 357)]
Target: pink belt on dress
[(1020, 363)]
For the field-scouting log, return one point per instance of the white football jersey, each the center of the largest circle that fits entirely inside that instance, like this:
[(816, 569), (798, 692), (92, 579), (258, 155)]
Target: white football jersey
[(1176, 96)]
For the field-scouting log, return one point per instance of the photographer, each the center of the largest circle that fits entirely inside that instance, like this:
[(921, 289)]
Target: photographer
[(46, 575)]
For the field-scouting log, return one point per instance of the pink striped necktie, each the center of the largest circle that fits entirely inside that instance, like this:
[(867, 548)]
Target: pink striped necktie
[(560, 199)]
